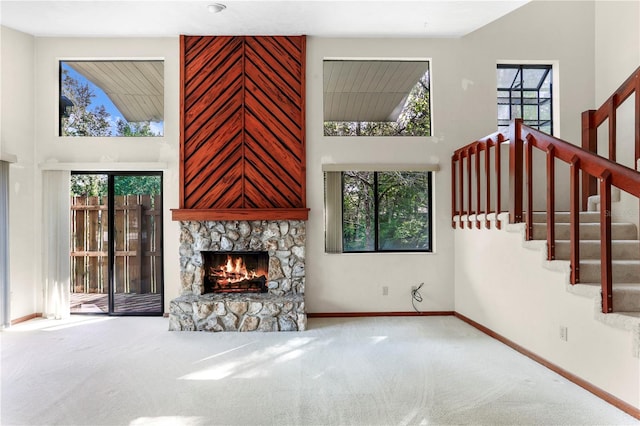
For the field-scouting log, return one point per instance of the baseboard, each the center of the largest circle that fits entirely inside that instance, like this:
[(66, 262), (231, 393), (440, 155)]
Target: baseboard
[(25, 318), (378, 314), (602, 394)]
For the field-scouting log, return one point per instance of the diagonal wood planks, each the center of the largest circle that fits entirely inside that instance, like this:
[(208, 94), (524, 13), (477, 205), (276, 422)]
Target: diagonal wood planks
[(242, 141)]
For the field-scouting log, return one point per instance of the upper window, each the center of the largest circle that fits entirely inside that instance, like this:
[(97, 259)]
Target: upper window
[(371, 211), (112, 98), (524, 91), (376, 98)]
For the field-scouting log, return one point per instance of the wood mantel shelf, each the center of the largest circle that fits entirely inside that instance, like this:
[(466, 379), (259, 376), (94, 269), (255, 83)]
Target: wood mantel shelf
[(239, 214)]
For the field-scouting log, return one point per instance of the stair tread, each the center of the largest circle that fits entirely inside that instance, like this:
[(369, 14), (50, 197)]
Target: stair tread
[(615, 261)]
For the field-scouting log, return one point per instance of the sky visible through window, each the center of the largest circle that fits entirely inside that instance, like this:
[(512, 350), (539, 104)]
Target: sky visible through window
[(101, 98)]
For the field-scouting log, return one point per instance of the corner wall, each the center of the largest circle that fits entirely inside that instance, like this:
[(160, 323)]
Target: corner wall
[(504, 286), (464, 108)]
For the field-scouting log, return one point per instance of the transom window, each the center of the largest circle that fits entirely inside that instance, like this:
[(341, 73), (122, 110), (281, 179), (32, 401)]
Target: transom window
[(112, 98), (378, 211), (381, 97), (524, 91)]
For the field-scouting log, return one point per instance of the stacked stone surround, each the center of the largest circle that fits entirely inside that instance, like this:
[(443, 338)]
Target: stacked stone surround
[(280, 309)]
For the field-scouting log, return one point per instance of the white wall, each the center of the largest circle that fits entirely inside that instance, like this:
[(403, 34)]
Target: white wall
[(526, 303), (617, 55), (617, 45), (49, 147), (463, 93), (464, 109), (17, 136), (353, 282), (504, 286)]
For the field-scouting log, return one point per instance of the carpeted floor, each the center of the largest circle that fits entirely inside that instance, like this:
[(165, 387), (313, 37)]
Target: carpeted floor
[(356, 371)]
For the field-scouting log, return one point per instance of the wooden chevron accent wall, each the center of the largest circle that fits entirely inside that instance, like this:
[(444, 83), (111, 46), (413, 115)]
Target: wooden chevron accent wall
[(242, 145)]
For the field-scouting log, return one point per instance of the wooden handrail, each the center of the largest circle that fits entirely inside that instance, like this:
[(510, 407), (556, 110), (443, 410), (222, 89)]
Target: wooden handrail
[(592, 119), (522, 140)]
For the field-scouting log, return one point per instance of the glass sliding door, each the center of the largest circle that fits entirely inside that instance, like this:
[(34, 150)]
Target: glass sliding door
[(89, 244), (116, 243), (136, 244)]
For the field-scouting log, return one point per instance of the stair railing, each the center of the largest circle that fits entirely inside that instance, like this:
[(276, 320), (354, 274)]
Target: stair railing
[(467, 184), (592, 119)]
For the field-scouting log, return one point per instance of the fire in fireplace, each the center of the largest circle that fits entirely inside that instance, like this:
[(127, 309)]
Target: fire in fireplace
[(235, 272)]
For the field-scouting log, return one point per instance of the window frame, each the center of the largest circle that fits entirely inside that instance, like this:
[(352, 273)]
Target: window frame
[(551, 70), (429, 73), (334, 230), (63, 102)]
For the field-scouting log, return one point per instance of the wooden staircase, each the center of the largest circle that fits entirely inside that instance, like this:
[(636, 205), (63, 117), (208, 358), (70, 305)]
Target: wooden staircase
[(625, 253)]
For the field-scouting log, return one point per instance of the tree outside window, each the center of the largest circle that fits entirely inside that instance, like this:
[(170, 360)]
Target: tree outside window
[(411, 117), (91, 111), (386, 211)]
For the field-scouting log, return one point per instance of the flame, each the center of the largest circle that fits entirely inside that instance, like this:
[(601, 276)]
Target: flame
[(234, 270)]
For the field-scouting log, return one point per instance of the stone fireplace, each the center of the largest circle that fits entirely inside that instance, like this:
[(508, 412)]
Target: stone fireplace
[(242, 184), (241, 276)]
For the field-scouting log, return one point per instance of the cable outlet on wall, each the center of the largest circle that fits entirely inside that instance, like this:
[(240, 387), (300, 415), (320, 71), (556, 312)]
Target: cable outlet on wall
[(564, 333), (385, 290)]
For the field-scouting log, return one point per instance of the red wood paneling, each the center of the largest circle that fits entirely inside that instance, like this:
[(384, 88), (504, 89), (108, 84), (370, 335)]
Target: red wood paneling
[(242, 118)]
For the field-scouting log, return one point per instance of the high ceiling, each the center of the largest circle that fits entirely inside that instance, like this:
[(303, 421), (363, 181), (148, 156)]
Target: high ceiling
[(373, 18)]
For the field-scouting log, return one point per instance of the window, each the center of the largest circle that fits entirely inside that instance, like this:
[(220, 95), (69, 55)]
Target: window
[(378, 211), (524, 91), (112, 98), (376, 98)]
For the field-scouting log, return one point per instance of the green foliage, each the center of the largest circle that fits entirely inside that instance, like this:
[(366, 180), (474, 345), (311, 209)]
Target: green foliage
[(125, 128), (83, 121), (403, 201), (402, 211), (137, 185), (96, 185), (358, 211), (89, 185), (414, 120)]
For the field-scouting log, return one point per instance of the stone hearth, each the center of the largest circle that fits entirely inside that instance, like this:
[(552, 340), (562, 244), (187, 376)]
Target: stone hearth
[(280, 309)]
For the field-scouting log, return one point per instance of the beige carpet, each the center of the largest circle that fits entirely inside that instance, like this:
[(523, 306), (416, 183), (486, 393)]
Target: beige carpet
[(364, 371)]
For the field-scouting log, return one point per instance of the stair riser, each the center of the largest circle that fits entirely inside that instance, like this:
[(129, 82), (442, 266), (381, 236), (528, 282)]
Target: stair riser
[(626, 300), (590, 273), (619, 231), (620, 250), (562, 217)]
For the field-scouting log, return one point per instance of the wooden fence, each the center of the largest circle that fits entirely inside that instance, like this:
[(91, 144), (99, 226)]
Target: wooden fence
[(137, 244)]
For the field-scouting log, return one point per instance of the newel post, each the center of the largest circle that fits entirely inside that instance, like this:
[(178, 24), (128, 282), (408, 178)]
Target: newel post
[(515, 171)]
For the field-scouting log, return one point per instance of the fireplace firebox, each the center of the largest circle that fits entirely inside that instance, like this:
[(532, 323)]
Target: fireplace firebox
[(235, 271)]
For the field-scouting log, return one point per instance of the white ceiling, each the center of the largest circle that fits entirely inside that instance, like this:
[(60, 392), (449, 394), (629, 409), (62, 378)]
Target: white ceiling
[(373, 18)]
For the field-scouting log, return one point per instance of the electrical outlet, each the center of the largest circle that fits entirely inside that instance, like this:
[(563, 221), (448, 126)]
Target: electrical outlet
[(385, 290), (564, 333)]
